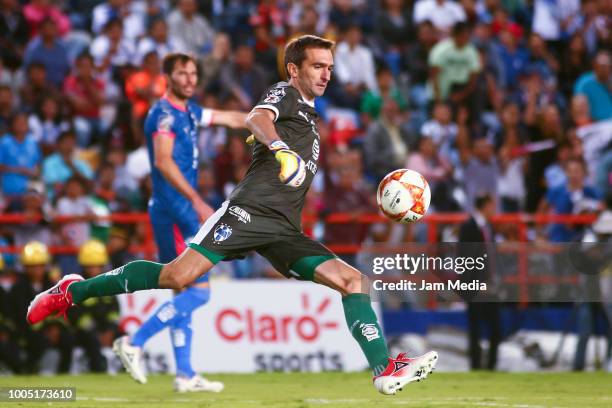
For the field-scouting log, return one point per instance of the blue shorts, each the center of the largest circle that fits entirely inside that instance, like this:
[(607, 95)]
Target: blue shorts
[(172, 231)]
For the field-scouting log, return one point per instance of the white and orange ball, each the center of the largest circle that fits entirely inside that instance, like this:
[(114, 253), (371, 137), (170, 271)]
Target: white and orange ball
[(403, 195)]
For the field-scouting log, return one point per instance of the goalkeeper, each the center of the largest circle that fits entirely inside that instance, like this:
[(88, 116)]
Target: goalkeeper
[(263, 214)]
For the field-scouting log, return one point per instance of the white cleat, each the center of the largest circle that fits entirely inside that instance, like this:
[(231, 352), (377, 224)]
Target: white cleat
[(131, 358), (197, 384), (403, 370)]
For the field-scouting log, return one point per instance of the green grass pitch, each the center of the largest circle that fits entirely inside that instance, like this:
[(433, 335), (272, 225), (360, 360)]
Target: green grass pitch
[(333, 390)]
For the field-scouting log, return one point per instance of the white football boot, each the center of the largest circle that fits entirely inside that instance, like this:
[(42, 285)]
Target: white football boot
[(197, 384), (131, 358), (403, 370)]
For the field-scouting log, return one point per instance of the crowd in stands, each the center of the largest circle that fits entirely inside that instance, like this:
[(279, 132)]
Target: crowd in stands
[(507, 97)]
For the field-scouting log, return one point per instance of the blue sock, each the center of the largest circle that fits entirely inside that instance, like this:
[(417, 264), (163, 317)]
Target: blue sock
[(181, 342), (160, 319), (186, 303)]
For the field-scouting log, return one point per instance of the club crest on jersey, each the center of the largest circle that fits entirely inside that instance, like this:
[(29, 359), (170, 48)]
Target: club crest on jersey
[(239, 213), (165, 122), (222, 232), (275, 95)]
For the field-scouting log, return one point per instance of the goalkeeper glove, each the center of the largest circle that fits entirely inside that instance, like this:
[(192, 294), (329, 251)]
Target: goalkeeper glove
[(293, 169)]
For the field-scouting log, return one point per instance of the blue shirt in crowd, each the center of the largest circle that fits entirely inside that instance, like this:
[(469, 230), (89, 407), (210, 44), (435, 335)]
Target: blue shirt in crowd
[(18, 154), (598, 94)]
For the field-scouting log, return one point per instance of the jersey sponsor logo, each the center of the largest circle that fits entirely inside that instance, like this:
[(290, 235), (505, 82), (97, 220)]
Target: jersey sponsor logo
[(275, 95), (221, 233), (305, 116), (165, 122), (369, 331), (315, 150), (239, 213), (312, 167)]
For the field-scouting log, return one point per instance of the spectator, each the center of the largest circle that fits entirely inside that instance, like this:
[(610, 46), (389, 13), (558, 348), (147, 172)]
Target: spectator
[(386, 143), (549, 18), (36, 87), (96, 323), (85, 94), (19, 159), (75, 204), (455, 64), (574, 62), (46, 124), (8, 77), (513, 56), (35, 259), (10, 350), (443, 133), (206, 187), (354, 67), (213, 63), (478, 229), (437, 171), (596, 86), (49, 50), (297, 14), (343, 15), (480, 173), (541, 59), (7, 102), (511, 181), (394, 24), (107, 11), (244, 79), (110, 50), (580, 111), (371, 103), (145, 86), (37, 11), (444, 14), (415, 63), (512, 132), (348, 195), (555, 173), (62, 165), (37, 211), (572, 198), (190, 28), (118, 246), (157, 40), (14, 33)]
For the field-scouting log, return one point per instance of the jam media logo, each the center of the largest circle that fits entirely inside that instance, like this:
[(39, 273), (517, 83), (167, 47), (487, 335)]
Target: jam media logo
[(222, 232), (133, 316), (249, 325)]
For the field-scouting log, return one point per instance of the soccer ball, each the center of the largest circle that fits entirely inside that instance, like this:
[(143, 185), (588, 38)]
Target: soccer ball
[(403, 195)]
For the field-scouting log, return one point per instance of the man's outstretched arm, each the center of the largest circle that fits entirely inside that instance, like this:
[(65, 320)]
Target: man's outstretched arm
[(231, 119)]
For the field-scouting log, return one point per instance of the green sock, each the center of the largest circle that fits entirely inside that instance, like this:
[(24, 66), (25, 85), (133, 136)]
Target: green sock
[(364, 327), (136, 275)]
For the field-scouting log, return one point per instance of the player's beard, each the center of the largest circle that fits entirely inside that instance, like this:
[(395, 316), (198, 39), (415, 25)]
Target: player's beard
[(179, 93)]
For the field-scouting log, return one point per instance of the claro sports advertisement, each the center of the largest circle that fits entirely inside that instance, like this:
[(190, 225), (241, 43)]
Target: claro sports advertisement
[(255, 326)]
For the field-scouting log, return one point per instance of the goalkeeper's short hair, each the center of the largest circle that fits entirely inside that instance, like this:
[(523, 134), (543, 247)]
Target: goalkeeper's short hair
[(295, 50)]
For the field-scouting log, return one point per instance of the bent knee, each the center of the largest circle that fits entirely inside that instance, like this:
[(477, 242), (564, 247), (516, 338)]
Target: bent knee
[(355, 283), (172, 278)]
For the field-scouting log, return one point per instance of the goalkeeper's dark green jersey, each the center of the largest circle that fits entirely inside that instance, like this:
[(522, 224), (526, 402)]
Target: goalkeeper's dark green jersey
[(295, 124)]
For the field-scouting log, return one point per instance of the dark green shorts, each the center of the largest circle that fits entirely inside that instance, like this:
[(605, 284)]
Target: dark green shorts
[(233, 230)]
